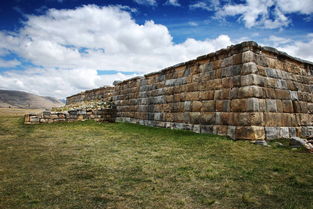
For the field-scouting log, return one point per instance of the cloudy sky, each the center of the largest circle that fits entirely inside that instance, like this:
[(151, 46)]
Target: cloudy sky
[(61, 47)]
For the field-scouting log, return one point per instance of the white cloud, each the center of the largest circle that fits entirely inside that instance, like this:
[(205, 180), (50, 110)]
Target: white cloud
[(201, 5), (266, 13), (276, 41), (192, 23), (9, 63), (173, 3), (301, 49), (71, 45), (146, 2), (209, 5), (55, 82)]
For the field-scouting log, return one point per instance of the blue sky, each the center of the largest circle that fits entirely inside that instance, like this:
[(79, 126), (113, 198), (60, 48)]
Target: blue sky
[(60, 47)]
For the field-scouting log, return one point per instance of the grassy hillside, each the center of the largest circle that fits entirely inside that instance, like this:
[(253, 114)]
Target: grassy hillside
[(93, 165), (20, 99)]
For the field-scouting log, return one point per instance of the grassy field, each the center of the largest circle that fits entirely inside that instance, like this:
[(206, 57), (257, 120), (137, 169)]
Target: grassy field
[(103, 165)]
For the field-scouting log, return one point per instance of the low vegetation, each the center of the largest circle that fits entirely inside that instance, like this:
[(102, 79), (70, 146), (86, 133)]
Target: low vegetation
[(116, 165)]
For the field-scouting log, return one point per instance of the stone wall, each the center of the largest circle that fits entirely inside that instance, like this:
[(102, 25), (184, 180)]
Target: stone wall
[(245, 92), (103, 93), (102, 115)]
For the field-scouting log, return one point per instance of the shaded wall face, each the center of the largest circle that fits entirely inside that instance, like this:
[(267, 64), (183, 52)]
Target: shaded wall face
[(286, 98), (245, 95)]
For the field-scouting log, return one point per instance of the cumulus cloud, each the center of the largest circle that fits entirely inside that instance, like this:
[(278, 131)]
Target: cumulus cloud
[(266, 13), (173, 3), (65, 44), (301, 49), (58, 83)]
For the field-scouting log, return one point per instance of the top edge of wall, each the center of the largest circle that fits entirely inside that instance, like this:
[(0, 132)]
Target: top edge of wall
[(244, 46), (84, 92)]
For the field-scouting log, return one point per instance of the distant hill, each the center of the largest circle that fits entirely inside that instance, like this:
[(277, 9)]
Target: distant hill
[(20, 99)]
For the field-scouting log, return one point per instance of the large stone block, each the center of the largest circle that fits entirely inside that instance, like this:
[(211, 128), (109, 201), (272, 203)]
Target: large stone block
[(231, 132), (207, 118), (248, 119), (207, 129), (248, 56), (206, 95), (271, 133), (238, 105), (273, 119), (196, 106), (222, 105), (249, 68), (227, 118), (282, 94), (195, 117), (252, 105), (287, 106), (208, 106), (250, 91), (192, 96), (227, 82), (271, 105), (307, 131), (250, 132)]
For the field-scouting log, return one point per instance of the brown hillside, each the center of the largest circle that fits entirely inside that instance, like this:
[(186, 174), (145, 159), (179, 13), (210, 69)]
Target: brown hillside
[(20, 99)]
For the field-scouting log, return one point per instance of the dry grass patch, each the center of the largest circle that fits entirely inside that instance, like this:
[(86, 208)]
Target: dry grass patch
[(104, 165)]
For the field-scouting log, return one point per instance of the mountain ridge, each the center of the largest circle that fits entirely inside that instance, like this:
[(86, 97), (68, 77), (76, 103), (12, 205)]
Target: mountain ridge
[(21, 99)]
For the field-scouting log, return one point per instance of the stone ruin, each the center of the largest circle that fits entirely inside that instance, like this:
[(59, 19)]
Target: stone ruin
[(245, 91)]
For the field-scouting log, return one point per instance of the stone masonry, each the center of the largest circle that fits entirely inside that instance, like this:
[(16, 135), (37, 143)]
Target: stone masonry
[(244, 91), (103, 115), (103, 93)]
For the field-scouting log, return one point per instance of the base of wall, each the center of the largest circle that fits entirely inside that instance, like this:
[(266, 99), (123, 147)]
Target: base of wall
[(233, 132)]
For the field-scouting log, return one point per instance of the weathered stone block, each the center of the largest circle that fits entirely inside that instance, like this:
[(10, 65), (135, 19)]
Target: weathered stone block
[(196, 129), (307, 131), (271, 133), (208, 106), (187, 106), (282, 94), (252, 105), (250, 91), (195, 117), (269, 93), (248, 119), (227, 118), (287, 106), (272, 119), (220, 130), (207, 118), (207, 129), (231, 132), (248, 56), (222, 105), (192, 96), (206, 95), (271, 105), (249, 68), (250, 132), (238, 105), (227, 82), (196, 106)]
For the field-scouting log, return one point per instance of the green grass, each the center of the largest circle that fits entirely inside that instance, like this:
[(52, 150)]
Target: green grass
[(105, 165)]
